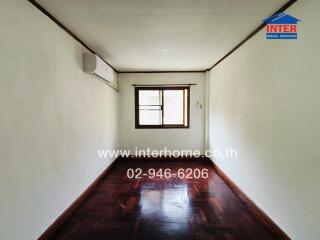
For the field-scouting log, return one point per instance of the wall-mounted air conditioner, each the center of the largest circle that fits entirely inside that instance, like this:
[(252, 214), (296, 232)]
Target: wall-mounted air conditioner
[(94, 65)]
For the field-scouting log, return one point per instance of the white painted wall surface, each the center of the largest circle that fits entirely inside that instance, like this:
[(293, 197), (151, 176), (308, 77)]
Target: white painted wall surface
[(264, 101), (53, 118), (180, 139)]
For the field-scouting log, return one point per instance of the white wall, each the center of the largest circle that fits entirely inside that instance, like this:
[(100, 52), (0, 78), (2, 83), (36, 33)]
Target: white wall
[(53, 118), (264, 101), (180, 139)]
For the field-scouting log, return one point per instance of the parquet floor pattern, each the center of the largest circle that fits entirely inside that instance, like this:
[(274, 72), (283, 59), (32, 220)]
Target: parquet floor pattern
[(156, 209)]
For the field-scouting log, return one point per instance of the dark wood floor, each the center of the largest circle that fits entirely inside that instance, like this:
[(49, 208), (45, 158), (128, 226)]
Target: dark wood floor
[(122, 208)]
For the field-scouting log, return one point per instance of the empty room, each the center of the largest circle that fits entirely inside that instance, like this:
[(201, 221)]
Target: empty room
[(159, 119)]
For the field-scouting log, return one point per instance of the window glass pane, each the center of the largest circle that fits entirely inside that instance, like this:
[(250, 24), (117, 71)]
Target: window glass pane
[(173, 109), (149, 97), (150, 117), (150, 108)]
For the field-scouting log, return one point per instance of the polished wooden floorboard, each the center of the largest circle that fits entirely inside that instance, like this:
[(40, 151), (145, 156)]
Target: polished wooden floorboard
[(122, 208)]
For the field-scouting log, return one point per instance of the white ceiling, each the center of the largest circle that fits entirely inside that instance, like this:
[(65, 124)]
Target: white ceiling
[(161, 35)]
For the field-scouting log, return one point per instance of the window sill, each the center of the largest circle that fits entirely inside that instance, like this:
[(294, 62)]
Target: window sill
[(160, 127)]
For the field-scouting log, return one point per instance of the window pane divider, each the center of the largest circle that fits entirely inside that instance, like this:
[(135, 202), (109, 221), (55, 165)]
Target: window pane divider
[(165, 87)]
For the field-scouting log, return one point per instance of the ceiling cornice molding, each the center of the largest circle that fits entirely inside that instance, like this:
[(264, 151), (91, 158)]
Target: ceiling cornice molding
[(173, 71), (67, 30), (249, 36), (254, 32)]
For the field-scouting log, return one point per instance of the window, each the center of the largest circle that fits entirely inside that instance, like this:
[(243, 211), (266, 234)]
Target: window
[(162, 107)]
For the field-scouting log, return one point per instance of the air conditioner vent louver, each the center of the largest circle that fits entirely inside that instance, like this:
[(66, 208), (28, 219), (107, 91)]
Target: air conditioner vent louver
[(94, 65)]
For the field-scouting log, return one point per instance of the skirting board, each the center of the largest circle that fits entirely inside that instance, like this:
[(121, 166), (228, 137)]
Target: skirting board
[(253, 208), (54, 227)]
